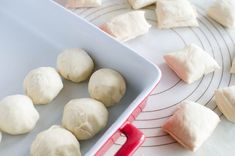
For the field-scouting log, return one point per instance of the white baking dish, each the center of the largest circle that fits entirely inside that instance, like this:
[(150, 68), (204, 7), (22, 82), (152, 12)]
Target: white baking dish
[(32, 33)]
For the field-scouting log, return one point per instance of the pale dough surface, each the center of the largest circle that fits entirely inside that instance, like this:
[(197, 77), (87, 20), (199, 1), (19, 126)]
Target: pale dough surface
[(42, 84), (137, 4), (17, 114), (56, 141), (75, 64), (176, 13), (232, 69), (127, 26), (80, 3), (223, 11), (84, 117), (191, 63), (191, 124), (225, 100), (107, 85)]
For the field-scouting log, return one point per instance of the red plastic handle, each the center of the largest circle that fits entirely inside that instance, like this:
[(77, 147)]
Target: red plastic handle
[(134, 139)]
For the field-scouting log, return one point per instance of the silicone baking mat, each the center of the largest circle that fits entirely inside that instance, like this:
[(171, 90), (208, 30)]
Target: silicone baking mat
[(212, 37)]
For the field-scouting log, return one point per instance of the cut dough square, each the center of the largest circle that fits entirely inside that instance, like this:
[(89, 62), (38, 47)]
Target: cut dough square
[(176, 13), (80, 3), (137, 4), (225, 100), (127, 26), (232, 70), (223, 11), (191, 63), (191, 124)]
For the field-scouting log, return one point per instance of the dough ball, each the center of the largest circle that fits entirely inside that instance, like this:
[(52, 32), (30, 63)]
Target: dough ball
[(191, 124), (75, 65), (223, 12), (56, 141), (191, 63), (127, 26), (107, 86), (176, 13), (42, 85), (17, 114), (225, 100), (84, 117)]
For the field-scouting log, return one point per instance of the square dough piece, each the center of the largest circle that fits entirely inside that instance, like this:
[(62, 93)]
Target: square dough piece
[(137, 4), (232, 70), (176, 13), (80, 3), (191, 124), (223, 11), (191, 63), (127, 26), (225, 100)]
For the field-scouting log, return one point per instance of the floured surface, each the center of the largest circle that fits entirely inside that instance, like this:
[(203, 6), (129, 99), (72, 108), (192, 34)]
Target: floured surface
[(210, 36)]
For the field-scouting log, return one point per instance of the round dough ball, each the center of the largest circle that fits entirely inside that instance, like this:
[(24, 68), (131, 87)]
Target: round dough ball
[(56, 141), (17, 114), (84, 117), (42, 85), (107, 86), (75, 65)]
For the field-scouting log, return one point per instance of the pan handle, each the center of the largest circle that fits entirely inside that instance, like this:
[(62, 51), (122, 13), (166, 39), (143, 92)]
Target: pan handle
[(134, 139)]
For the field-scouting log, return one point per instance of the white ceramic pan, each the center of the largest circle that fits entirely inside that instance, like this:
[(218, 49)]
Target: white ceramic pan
[(32, 34)]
